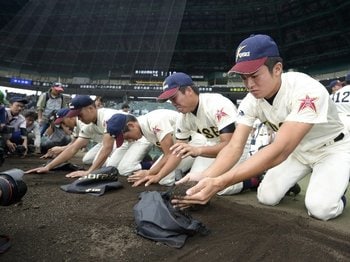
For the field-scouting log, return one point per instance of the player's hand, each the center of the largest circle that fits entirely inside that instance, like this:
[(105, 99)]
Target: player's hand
[(201, 193), (194, 176), (52, 152), (137, 175), (11, 146), (38, 170), (78, 173), (25, 152), (184, 150), (148, 180)]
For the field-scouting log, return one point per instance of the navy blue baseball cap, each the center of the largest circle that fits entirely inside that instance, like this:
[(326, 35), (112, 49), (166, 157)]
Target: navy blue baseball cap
[(347, 77), (333, 83), (115, 127), (253, 52), (18, 99), (172, 84), (78, 103), (62, 113)]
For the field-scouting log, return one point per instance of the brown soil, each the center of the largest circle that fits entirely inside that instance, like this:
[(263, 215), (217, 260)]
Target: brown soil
[(52, 225)]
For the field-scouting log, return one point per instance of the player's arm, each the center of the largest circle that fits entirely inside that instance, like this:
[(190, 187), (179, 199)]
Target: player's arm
[(185, 150), (162, 168), (66, 155), (287, 139), (169, 161), (106, 149), (104, 152)]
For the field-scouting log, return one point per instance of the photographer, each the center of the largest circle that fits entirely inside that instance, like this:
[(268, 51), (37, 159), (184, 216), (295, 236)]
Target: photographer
[(33, 132), (15, 131), (12, 189)]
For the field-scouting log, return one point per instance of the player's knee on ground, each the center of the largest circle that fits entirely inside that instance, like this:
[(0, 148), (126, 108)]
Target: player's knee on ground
[(267, 195), (87, 160), (231, 190), (169, 180), (323, 210), (125, 169)]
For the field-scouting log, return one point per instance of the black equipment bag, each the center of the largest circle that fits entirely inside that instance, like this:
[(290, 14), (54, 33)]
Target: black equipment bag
[(158, 220)]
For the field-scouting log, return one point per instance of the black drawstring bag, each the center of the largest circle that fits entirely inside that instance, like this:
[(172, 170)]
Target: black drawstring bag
[(158, 220), (96, 183)]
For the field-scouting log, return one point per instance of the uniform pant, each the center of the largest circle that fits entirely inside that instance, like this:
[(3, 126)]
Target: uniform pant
[(329, 167), (186, 163), (127, 158), (90, 155)]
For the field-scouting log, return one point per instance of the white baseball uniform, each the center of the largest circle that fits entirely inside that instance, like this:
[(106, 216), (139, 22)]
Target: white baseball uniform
[(155, 125), (122, 158), (324, 151), (214, 113), (342, 100)]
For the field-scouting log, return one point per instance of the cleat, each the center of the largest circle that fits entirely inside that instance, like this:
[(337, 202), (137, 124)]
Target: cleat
[(294, 190)]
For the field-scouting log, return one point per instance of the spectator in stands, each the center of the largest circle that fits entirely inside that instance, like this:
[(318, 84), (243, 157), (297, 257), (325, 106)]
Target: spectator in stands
[(48, 104), (16, 136), (125, 108), (99, 102), (33, 131)]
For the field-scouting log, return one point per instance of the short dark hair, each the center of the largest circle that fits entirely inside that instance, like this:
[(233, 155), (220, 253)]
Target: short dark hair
[(31, 114), (272, 61), (125, 105), (193, 87), (129, 118)]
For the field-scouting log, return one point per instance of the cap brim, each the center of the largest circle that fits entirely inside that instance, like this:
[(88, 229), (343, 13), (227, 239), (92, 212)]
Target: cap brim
[(167, 94), (58, 121), (248, 67), (119, 139), (59, 89), (73, 113)]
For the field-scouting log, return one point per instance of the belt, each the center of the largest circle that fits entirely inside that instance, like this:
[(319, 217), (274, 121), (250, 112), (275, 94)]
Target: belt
[(339, 137)]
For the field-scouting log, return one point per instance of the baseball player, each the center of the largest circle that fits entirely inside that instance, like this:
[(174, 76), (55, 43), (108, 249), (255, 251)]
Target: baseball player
[(211, 115), (310, 137), (95, 120), (341, 97), (158, 127), (76, 125)]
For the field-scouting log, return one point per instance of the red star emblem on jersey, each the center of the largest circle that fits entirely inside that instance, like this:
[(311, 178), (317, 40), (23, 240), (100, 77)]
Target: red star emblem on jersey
[(307, 102), (156, 129), (220, 113)]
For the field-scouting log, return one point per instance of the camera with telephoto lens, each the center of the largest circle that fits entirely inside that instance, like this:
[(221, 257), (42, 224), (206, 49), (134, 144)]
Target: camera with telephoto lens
[(12, 186), (20, 150), (53, 116)]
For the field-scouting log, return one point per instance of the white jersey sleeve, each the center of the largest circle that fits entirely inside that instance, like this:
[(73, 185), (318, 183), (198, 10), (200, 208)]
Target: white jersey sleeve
[(342, 100), (300, 99), (214, 113), (156, 124)]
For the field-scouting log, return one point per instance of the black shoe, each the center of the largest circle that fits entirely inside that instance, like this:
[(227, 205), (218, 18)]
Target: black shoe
[(294, 190)]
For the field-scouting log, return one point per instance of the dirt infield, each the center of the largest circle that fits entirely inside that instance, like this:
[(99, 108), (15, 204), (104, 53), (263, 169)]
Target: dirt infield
[(52, 225)]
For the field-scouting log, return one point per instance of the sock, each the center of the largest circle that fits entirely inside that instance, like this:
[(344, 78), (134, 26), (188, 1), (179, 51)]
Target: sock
[(251, 183), (146, 164)]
